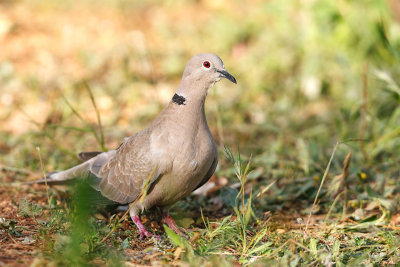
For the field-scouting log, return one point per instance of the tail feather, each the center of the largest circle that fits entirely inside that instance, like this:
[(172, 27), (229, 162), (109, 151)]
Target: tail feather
[(88, 169), (49, 181), (79, 170), (61, 177)]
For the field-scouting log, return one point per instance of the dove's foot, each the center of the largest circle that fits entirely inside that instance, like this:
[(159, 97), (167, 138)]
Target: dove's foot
[(173, 226), (142, 230)]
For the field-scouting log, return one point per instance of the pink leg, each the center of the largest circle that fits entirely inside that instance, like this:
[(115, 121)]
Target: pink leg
[(172, 225), (140, 226)]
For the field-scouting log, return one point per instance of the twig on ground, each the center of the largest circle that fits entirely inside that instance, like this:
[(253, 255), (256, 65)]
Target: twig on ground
[(9, 235)]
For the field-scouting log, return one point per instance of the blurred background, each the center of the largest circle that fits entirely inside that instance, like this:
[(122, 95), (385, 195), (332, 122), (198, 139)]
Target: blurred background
[(309, 73)]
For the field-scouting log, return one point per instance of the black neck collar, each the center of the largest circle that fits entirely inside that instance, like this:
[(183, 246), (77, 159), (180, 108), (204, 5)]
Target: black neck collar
[(178, 99)]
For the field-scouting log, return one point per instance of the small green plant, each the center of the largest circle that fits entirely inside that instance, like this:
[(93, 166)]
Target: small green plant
[(250, 244), (29, 209), (10, 226), (78, 234), (243, 212)]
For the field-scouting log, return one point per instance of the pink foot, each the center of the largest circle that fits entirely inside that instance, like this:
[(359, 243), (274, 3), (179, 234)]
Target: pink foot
[(173, 226), (140, 226)]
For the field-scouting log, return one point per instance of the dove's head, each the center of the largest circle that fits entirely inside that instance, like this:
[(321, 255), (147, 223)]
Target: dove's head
[(201, 72), (206, 67)]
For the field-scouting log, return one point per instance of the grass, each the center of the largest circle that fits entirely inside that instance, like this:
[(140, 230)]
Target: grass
[(315, 114)]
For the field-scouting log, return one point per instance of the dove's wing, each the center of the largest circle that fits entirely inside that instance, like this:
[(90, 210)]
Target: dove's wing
[(124, 174), (209, 173)]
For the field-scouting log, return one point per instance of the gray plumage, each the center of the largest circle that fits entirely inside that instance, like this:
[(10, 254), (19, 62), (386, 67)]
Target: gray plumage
[(177, 147)]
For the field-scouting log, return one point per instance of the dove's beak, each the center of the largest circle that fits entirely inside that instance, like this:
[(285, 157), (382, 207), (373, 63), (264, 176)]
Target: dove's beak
[(227, 75)]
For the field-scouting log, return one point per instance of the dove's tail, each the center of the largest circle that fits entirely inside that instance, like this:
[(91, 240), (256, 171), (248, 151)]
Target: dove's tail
[(87, 170), (60, 177)]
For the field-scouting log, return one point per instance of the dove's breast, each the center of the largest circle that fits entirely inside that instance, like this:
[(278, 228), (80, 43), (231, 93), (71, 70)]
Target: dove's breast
[(191, 158)]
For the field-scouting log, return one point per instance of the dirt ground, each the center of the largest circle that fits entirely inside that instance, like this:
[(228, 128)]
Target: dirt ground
[(19, 250)]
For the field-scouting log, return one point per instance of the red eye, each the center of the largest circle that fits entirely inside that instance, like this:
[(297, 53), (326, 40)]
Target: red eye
[(206, 64)]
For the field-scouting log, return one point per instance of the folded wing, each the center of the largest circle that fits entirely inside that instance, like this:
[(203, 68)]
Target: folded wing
[(123, 175)]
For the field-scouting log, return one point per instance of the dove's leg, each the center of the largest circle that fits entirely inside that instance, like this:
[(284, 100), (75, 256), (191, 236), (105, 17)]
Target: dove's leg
[(140, 226), (136, 219), (172, 224)]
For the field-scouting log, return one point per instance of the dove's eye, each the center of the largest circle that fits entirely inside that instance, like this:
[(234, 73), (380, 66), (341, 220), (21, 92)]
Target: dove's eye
[(206, 64)]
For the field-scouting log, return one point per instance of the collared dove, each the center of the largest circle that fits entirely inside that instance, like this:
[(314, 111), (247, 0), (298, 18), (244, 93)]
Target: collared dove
[(175, 155)]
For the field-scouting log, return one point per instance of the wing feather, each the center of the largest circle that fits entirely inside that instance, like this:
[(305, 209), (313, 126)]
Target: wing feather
[(209, 173), (124, 174)]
